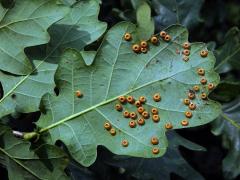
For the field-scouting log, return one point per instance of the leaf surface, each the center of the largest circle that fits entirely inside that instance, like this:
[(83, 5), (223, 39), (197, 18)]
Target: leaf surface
[(116, 71), (23, 26)]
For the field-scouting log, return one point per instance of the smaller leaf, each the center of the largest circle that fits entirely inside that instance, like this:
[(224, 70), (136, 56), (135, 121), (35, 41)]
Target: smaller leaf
[(144, 21), (44, 162)]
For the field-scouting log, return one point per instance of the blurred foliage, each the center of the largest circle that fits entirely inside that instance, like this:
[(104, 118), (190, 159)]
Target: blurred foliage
[(185, 12), (227, 90), (164, 12), (228, 54), (228, 126)]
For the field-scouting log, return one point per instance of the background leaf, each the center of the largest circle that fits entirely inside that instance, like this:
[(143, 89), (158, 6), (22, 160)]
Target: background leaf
[(228, 126), (118, 71), (37, 16), (44, 162), (185, 12), (228, 54)]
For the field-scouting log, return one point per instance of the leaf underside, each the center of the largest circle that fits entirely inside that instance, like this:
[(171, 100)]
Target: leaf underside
[(23, 93), (78, 122)]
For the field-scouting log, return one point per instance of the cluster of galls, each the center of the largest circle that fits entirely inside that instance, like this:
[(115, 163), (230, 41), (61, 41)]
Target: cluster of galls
[(192, 95), (203, 80), (136, 118), (143, 46), (187, 50), (144, 114)]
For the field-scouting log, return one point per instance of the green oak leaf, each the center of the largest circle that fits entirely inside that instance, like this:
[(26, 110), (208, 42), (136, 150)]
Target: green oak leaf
[(228, 126), (23, 26), (161, 168), (117, 70), (229, 53), (23, 93), (45, 162), (185, 12)]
